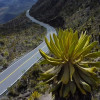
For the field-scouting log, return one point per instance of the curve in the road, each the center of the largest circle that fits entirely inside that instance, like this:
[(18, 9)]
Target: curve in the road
[(20, 67)]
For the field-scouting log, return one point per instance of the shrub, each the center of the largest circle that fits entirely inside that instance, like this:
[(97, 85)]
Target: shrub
[(35, 96)]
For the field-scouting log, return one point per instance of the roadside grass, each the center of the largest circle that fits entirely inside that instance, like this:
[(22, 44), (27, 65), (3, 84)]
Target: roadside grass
[(18, 37)]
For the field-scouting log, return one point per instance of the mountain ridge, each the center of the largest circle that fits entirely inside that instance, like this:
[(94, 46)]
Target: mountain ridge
[(14, 8)]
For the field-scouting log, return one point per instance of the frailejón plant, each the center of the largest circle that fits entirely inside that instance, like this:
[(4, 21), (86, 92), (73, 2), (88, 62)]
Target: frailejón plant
[(73, 63)]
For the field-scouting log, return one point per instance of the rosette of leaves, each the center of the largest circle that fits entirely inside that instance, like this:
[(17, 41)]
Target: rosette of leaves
[(73, 63)]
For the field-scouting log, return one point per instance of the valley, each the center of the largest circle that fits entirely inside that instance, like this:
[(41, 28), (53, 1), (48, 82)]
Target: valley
[(9, 9)]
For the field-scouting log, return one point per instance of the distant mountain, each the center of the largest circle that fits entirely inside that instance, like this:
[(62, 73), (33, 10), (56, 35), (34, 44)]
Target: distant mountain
[(11, 8)]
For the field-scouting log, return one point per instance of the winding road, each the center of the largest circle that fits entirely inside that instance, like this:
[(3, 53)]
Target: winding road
[(14, 72)]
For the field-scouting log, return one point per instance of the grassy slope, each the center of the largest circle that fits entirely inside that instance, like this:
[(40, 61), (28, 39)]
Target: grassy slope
[(29, 83), (77, 14), (18, 37), (86, 17)]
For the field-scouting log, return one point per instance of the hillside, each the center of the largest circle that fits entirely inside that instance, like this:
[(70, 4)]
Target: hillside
[(77, 14), (18, 37), (9, 9)]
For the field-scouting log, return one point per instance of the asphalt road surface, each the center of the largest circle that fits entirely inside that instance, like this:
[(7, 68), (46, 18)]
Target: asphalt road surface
[(14, 72)]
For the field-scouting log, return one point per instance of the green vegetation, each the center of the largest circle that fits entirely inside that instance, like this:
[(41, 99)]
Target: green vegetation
[(18, 37), (75, 71), (28, 84), (35, 96), (69, 77)]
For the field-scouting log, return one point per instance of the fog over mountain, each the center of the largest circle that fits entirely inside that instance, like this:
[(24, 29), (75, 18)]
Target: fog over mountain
[(11, 8)]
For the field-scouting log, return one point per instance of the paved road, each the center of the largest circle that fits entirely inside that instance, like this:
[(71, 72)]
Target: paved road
[(16, 70)]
